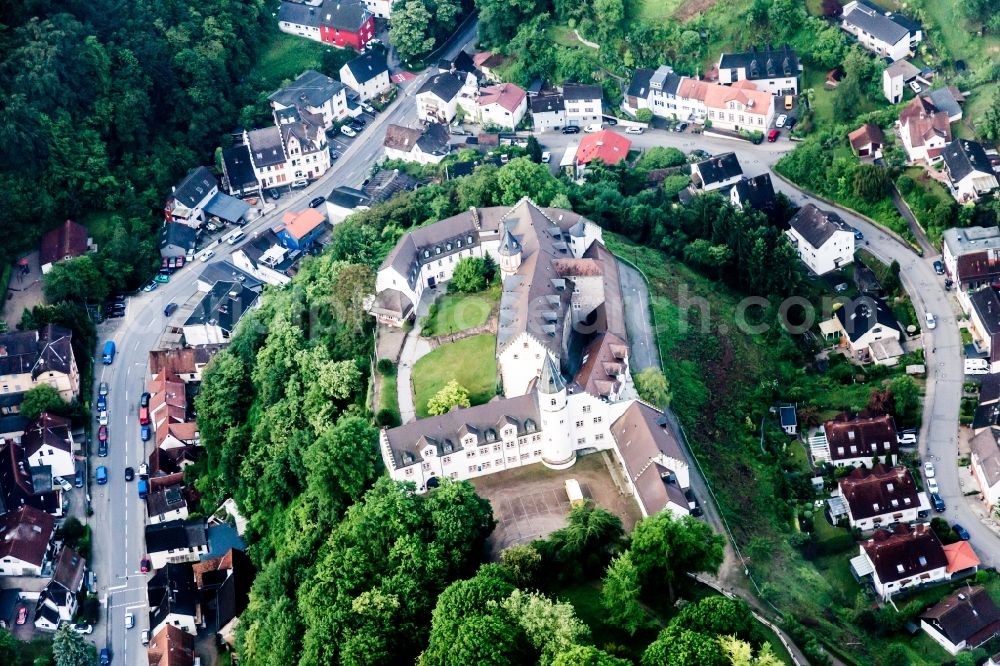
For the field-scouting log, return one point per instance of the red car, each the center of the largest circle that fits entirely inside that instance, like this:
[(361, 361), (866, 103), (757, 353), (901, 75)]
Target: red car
[(22, 615), (773, 135), (102, 433), (166, 263), (144, 416), (144, 565)]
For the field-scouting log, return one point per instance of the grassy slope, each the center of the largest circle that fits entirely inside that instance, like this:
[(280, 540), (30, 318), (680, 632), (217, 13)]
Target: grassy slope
[(458, 312), (472, 361), (388, 398), (658, 9), (287, 56)]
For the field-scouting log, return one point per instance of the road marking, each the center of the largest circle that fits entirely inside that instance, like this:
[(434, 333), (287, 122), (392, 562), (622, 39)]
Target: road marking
[(117, 587)]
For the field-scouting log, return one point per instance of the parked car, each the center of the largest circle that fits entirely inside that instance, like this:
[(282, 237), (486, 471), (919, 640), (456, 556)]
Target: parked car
[(161, 277), (915, 87), (962, 533), (102, 403), (165, 263), (317, 202), (931, 321), (546, 157), (858, 235), (274, 193), (150, 287), (632, 129), (907, 438), (83, 629), (144, 416), (114, 314), (102, 433), (368, 109), (78, 481), (932, 486), (129, 473), (347, 131), (102, 418), (680, 127), (929, 469), (143, 488), (63, 483), (299, 183), (103, 389), (590, 129), (790, 123), (357, 122), (143, 469), (571, 129), (129, 620), (235, 238), (105, 658), (780, 122), (102, 475), (206, 255), (773, 135), (22, 615), (938, 267), (170, 309), (611, 121), (937, 502), (144, 432), (102, 449), (145, 637), (144, 565), (333, 154)]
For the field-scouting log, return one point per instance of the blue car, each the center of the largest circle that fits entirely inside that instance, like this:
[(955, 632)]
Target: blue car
[(144, 433), (105, 656), (937, 502), (962, 533), (102, 403), (102, 475)]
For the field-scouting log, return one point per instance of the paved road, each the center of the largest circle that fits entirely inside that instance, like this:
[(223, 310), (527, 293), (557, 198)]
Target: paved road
[(638, 319), (119, 517)]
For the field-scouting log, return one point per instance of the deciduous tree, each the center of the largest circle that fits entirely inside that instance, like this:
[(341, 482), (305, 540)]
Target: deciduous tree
[(42, 398), (620, 594), (450, 396), (665, 548), (69, 648)]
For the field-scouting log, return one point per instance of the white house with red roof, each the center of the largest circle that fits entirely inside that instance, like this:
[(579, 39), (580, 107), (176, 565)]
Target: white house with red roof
[(502, 105), (607, 146)]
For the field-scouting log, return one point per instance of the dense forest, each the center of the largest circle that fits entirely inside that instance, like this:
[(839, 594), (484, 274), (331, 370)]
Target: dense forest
[(104, 104)]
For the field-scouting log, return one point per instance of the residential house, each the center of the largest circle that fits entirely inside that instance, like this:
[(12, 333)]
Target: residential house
[(869, 329), (171, 646), (317, 95), (185, 364), (856, 442), (226, 272), (264, 257), (66, 241), (368, 74), (502, 105), (168, 462), (30, 358), (167, 401), (905, 557), (963, 620), (187, 200), (282, 154), (881, 496), (437, 98), (342, 23), (884, 33), (583, 104), (300, 229), (548, 113), (48, 442), (717, 172), (58, 602), (867, 140), (379, 8), (25, 536), (638, 92), (238, 174), (756, 192), (985, 465), (166, 503), (971, 257), (770, 70), (224, 583), (173, 434), (970, 174), (178, 240), (173, 596), (984, 324), (823, 241), (462, 62), (215, 317), (24, 485), (607, 146), (176, 541), (343, 201), (789, 420), (988, 408), (947, 100), (427, 146), (387, 183), (895, 78), (925, 131), (487, 62)]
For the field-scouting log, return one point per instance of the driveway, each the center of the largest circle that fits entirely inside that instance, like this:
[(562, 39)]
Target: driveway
[(638, 319), (24, 291)]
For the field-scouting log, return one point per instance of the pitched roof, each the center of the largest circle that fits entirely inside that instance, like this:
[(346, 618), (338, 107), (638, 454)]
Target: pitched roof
[(310, 88), (719, 168), (921, 120), (859, 316), (68, 570), (301, 223), (986, 303), (986, 447), (902, 68), (639, 85), (238, 168), (19, 487), (178, 235), (963, 157), (905, 552), (756, 192), (347, 15), (665, 80), (874, 21), (861, 437), (25, 534), (816, 226), (948, 100), (50, 431), (298, 13), (368, 65), (171, 646), (865, 135), (401, 138), (387, 183), (960, 556), (718, 96), (968, 615), (580, 91), (67, 240), (171, 590), (175, 534), (607, 146), (48, 349), (445, 85), (225, 304), (507, 95), (184, 361), (164, 500), (879, 491), (644, 444), (604, 363), (767, 63), (547, 104), (392, 302), (194, 187), (266, 147)]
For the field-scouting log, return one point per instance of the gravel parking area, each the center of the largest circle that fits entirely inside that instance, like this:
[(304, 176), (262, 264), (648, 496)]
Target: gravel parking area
[(530, 503)]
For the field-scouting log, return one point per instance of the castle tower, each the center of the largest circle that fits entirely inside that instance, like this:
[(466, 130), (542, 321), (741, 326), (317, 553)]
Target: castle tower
[(557, 442), (510, 254)]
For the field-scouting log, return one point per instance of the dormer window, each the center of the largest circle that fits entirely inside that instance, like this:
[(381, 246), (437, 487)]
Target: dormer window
[(437, 250), (900, 569), (448, 247), (469, 239), (459, 242), (427, 253)]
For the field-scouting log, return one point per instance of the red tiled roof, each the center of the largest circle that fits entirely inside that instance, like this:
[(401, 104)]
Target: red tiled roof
[(960, 556), (172, 646), (605, 145), (506, 95), (25, 534), (861, 438), (865, 135), (300, 223), (66, 240)]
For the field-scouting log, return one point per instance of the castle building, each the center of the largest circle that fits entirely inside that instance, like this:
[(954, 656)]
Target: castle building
[(562, 358)]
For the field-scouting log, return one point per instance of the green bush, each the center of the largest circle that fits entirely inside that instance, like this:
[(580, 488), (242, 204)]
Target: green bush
[(644, 115), (385, 367), (387, 418)]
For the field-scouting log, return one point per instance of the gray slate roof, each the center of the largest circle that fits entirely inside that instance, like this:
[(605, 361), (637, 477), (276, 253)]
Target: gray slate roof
[(236, 164), (756, 192), (445, 86), (348, 197), (639, 86), (311, 88), (368, 65), (194, 187), (816, 226), (962, 157), (547, 104), (174, 534), (266, 148), (297, 13), (719, 168), (580, 91), (767, 63), (225, 304), (864, 313), (180, 235), (873, 20), (47, 349)]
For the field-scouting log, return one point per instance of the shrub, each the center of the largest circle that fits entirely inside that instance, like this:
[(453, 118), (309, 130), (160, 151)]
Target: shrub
[(385, 367), (386, 418), (644, 115)]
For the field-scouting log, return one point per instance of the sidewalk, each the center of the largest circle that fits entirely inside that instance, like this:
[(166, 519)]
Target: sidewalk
[(414, 347)]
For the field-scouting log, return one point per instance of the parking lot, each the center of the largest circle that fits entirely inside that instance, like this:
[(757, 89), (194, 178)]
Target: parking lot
[(340, 142), (530, 503)]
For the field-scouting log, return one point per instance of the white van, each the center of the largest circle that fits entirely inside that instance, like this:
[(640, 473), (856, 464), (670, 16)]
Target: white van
[(573, 492), (236, 238), (977, 366)]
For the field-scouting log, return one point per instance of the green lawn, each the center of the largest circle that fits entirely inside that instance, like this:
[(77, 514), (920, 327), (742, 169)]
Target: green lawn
[(458, 312), (658, 9), (975, 107), (822, 102), (471, 361), (287, 56), (99, 224), (945, 15), (388, 398)]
